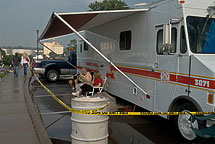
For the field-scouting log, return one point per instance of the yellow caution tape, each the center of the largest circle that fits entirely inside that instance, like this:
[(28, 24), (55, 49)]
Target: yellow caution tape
[(95, 111), (146, 113), (63, 104)]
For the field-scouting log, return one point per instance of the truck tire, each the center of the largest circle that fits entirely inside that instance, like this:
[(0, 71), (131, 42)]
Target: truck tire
[(183, 125), (52, 75)]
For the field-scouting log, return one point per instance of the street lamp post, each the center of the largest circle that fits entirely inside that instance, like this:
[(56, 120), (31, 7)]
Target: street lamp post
[(37, 43)]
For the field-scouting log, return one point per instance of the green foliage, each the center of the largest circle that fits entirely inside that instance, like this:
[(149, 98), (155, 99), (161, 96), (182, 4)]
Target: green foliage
[(30, 57), (108, 5), (7, 59), (2, 75), (3, 52), (72, 45), (52, 54)]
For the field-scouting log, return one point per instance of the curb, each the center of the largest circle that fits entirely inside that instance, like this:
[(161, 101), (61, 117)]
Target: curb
[(40, 130)]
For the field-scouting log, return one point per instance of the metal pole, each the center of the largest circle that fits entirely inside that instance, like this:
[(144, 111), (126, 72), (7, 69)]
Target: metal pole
[(37, 43), (94, 48), (0, 55), (46, 47)]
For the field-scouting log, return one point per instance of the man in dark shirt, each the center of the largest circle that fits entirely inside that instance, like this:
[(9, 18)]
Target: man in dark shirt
[(16, 62)]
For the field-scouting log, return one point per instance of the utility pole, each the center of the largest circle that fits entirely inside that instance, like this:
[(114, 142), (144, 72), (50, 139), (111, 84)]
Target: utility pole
[(37, 43), (0, 56)]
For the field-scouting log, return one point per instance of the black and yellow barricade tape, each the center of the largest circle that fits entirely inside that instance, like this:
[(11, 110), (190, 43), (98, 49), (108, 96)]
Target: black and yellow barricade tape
[(62, 103), (95, 111), (147, 113)]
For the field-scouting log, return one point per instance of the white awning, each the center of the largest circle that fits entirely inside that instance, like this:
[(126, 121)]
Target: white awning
[(82, 21)]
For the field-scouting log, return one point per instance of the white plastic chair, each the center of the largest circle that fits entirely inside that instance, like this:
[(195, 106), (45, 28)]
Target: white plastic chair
[(99, 88)]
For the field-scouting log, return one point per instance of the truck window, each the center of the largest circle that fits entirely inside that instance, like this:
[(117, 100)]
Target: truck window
[(160, 41), (86, 47), (125, 40), (80, 48), (174, 40), (201, 33), (183, 44)]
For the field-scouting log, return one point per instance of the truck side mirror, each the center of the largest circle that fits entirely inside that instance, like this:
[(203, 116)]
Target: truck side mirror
[(167, 34)]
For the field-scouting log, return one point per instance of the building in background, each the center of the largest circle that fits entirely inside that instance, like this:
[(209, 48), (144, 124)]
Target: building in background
[(55, 46), (29, 52), (10, 50), (13, 51)]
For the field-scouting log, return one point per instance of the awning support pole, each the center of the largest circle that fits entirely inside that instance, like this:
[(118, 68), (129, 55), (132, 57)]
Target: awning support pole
[(47, 47), (103, 56)]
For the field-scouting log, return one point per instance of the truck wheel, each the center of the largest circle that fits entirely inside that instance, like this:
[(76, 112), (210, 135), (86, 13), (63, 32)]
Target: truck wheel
[(183, 124), (52, 75)]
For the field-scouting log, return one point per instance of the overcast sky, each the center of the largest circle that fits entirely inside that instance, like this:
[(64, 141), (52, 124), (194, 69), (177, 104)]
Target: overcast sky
[(19, 19)]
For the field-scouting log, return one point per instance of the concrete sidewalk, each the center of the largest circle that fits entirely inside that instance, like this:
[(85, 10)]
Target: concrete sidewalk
[(19, 121)]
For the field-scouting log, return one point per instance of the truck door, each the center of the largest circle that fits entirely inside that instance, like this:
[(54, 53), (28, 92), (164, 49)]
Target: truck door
[(167, 67), (173, 66)]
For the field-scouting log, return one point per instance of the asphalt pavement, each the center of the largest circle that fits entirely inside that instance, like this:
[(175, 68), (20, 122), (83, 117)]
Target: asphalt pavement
[(122, 129)]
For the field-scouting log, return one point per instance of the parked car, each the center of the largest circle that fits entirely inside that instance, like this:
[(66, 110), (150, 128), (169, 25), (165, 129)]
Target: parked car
[(58, 68)]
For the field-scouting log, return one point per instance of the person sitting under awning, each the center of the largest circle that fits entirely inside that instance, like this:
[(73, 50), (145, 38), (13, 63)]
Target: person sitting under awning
[(87, 87), (84, 77)]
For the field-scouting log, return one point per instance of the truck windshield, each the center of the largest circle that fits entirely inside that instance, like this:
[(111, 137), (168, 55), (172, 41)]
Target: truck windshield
[(201, 33)]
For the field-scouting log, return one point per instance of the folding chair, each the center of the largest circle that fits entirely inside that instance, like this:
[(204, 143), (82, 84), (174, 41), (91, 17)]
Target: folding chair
[(204, 132), (99, 88)]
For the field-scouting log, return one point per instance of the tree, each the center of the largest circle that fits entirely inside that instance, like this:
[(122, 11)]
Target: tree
[(3, 52), (71, 46), (31, 57), (52, 54), (7, 59), (108, 5)]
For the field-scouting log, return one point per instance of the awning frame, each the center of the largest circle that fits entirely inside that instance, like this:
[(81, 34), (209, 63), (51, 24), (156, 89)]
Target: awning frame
[(96, 50), (84, 21)]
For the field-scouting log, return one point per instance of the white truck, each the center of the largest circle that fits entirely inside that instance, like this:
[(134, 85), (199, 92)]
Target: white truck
[(167, 50)]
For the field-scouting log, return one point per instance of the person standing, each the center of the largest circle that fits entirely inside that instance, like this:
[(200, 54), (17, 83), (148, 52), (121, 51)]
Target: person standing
[(25, 62), (16, 62)]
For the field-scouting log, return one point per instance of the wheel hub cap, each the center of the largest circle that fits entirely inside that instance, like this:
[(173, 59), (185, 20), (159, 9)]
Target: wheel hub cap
[(185, 127), (53, 76)]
